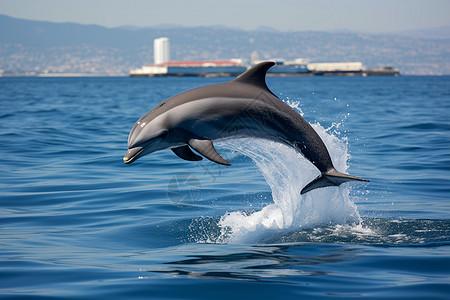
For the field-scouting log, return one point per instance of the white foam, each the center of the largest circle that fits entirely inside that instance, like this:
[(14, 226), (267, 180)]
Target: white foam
[(287, 172)]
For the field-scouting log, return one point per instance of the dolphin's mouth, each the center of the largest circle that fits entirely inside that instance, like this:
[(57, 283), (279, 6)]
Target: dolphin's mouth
[(132, 154)]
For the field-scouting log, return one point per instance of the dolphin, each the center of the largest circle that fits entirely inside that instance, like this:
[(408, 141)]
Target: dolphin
[(243, 107)]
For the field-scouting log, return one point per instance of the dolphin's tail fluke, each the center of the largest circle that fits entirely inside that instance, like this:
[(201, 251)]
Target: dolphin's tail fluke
[(329, 178)]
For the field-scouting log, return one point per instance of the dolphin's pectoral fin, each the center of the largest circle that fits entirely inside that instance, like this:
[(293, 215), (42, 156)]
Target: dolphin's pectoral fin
[(186, 153), (206, 148), (330, 178)]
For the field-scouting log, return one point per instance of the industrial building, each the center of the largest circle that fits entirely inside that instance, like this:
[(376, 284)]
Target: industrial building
[(162, 65), (191, 68)]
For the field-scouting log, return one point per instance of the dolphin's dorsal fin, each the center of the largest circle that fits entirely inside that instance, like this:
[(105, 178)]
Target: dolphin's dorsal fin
[(256, 75)]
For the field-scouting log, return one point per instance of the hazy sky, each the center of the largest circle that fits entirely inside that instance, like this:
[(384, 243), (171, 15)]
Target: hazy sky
[(357, 15)]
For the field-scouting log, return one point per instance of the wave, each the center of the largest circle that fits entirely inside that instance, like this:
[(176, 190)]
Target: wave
[(287, 172)]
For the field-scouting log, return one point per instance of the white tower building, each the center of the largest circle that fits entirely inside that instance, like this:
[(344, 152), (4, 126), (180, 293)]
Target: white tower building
[(161, 50)]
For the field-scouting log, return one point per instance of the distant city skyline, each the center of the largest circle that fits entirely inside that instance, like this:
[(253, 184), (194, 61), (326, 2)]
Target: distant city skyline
[(380, 16)]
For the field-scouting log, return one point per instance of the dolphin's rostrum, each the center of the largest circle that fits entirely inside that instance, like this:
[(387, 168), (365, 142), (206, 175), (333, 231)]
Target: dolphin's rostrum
[(243, 107)]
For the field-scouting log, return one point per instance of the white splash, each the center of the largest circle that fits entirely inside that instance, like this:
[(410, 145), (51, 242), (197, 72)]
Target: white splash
[(287, 172)]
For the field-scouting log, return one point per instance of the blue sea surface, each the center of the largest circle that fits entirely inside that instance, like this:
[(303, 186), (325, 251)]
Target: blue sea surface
[(77, 223)]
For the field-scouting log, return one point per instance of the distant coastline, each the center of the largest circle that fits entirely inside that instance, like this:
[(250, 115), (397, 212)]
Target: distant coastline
[(31, 47)]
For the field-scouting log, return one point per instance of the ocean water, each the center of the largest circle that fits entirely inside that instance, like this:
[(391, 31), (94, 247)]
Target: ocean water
[(77, 223)]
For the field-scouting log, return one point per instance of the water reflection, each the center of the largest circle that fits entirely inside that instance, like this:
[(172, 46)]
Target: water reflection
[(294, 256), (261, 263)]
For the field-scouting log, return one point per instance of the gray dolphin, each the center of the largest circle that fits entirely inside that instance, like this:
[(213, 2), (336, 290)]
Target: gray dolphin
[(243, 107)]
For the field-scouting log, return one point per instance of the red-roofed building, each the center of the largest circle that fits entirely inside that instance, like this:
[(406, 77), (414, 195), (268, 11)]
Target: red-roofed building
[(192, 68)]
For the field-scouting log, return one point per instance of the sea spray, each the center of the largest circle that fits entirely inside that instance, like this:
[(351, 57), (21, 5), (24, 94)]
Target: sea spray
[(287, 172)]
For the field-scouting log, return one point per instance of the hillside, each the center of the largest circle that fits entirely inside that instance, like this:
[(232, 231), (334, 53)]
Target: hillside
[(36, 46)]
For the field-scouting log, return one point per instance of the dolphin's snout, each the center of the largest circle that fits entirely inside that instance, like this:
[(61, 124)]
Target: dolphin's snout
[(132, 154)]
